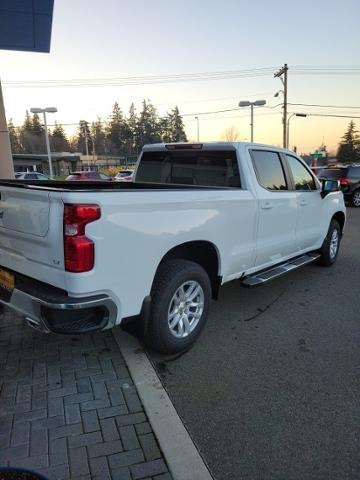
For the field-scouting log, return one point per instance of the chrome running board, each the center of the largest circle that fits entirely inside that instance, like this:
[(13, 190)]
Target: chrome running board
[(266, 276)]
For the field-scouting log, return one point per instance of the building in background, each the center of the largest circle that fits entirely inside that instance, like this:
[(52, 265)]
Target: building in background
[(63, 163)]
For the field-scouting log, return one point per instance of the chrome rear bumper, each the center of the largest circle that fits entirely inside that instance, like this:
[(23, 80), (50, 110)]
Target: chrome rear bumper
[(66, 315)]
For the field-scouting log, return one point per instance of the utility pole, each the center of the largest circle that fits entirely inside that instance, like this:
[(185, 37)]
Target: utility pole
[(283, 75), (198, 129), (93, 147), (86, 141)]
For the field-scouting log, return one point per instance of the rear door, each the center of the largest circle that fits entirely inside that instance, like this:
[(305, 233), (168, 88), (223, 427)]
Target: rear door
[(277, 208), (311, 207)]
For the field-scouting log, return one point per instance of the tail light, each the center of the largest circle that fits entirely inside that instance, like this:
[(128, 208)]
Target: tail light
[(344, 181), (79, 251)]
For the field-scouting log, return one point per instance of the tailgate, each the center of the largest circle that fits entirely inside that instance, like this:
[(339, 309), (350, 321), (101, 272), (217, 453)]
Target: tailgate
[(31, 233)]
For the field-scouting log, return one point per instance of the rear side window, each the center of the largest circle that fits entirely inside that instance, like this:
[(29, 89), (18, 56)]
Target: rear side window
[(354, 172), (211, 169), (73, 176), (303, 179), (269, 170)]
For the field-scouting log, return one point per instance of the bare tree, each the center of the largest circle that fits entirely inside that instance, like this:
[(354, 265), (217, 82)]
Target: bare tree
[(231, 134)]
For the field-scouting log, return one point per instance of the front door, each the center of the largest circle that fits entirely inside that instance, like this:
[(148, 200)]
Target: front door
[(277, 209), (308, 229)]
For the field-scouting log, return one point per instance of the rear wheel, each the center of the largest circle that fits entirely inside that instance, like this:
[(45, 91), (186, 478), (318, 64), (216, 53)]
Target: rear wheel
[(355, 199), (330, 247), (181, 298)]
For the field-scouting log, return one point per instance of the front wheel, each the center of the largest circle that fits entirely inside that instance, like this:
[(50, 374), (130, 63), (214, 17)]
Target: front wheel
[(330, 247), (180, 303)]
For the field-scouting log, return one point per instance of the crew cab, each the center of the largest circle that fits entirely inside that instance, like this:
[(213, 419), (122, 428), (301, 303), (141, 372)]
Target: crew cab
[(195, 217)]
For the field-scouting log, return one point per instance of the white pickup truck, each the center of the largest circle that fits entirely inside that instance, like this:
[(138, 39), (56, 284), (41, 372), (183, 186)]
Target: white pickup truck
[(83, 256)]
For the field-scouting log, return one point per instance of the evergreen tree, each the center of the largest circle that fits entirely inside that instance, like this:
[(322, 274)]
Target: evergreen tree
[(133, 130), (98, 137), (176, 126), (349, 147), (116, 131), (59, 140), (81, 137), (37, 127), (149, 126), (38, 135), (165, 129), (14, 135), (26, 135)]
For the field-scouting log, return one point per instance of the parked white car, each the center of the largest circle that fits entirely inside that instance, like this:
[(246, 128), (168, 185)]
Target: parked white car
[(31, 176), (196, 216), (125, 176)]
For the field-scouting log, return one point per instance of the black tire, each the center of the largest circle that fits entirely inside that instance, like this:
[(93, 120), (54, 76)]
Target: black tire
[(327, 258), (170, 277), (355, 199)]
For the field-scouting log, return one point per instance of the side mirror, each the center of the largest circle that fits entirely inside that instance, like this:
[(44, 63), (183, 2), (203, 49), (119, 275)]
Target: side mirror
[(329, 186)]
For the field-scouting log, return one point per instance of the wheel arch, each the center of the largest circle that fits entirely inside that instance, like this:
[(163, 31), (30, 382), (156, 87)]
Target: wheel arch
[(202, 252), (340, 218)]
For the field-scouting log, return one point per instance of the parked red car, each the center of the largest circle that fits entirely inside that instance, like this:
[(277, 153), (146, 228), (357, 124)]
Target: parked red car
[(88, 176)]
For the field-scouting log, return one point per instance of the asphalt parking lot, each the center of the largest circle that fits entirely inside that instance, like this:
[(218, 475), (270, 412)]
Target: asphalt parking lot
[(271, 389)]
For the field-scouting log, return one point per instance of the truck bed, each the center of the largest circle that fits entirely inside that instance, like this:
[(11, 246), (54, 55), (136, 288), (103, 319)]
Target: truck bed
[(70, 186)]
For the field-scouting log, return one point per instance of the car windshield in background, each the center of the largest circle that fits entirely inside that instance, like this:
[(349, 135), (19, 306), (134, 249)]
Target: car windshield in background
[(212, 169), (332, 173)]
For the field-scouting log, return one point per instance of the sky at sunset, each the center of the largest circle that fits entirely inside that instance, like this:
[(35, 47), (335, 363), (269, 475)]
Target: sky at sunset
[(116, 38)]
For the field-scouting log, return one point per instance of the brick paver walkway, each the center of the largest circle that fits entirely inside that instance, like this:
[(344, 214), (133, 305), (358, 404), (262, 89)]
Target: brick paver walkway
[(68, 408)]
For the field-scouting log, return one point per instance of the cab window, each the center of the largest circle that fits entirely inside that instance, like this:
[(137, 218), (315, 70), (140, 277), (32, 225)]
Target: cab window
[(303, 180), (269, 170)]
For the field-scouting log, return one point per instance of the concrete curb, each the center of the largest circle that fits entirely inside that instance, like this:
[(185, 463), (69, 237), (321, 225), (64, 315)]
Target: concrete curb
[(182, 456)]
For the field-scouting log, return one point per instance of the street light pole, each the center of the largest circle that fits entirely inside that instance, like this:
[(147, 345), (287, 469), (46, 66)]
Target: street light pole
[(48, 145), (257, 103), (252, 122), (198, 129), (288, 125), (44, 111)]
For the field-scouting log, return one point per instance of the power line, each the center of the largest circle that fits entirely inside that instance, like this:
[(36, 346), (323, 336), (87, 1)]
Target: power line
[(331, 115), (144, 80), (181, 77), (223, 111), (214, 99), (324, 106)]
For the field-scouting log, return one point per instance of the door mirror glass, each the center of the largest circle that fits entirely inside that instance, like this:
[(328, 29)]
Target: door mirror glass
[(329, 186)]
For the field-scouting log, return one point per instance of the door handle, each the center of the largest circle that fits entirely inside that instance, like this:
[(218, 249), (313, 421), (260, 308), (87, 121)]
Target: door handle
[(266, 205), (303, 203)]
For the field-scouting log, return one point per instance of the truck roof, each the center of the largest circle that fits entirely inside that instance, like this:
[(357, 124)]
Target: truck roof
[(206, 145)]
